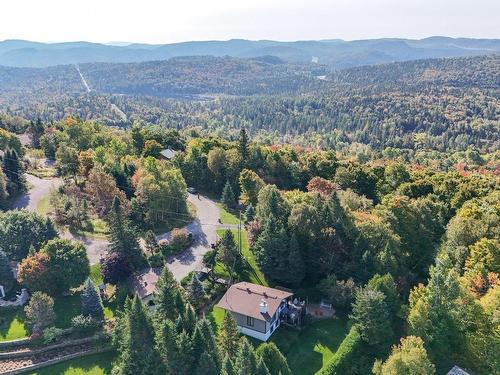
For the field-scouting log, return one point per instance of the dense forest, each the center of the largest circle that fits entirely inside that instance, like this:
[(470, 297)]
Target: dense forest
[(406, 253), (441, 104)]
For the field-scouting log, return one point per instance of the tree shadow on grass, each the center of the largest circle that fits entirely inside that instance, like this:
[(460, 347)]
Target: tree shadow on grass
[(12, 324), (309, 348)]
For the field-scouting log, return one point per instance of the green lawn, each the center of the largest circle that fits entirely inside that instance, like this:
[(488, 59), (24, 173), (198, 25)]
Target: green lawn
[(226, 216), (65, 308), (309, 349), (99, 364), (251, 271)]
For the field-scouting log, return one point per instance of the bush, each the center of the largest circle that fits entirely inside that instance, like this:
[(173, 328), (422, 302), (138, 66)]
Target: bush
[(85, 325), (209, 258), (180, 240), (156, 260), (347, 358), (52, 334)]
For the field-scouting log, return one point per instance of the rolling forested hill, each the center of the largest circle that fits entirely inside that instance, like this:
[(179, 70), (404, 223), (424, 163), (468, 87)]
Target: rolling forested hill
[(335, 53), (438, 103)]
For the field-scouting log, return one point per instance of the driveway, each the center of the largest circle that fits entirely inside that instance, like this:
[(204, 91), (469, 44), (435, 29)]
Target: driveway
[(39, 189), (204, 229)]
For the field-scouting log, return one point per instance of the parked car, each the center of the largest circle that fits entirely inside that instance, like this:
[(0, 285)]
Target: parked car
[(192, 190)]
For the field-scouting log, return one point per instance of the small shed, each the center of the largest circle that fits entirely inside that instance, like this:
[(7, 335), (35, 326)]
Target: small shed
[(143, 285), (168, 154), (457, 371)]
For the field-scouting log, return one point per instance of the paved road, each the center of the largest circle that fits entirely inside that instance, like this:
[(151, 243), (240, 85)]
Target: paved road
[(40, 188), (204, 228)]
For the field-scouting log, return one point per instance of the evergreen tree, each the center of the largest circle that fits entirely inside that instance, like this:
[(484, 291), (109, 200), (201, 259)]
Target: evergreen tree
[(210, 341), (151, 242), (180, 303), (189, 319), (91, 302), (206, 365), (296, 266), (227, 367), (275, 361), (122, 237), (246, 361), (165, 297), (229, 337), (6, 274), (227, 252), (137, 139), (36, 130), (166, 339), (179, 324), (271, 250), (262, 368), (14, 172), (4, 194), (243, 148), (195, 292), (137, 354), (371, 315), (198, 343), (228, 198), (182, 361), (249, 213)]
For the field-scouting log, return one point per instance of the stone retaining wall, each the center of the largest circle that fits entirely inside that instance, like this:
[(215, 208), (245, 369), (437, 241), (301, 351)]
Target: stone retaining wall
[(8, 355), (59, 360)]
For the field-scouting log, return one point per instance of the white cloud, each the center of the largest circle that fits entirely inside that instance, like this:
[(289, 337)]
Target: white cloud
[(162, 21)]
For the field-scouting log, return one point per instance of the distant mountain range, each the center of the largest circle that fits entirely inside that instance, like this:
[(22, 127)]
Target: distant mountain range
[(335, 53)]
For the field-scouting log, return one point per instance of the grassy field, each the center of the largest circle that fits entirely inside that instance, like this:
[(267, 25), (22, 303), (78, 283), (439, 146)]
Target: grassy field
[(226, 216), (251, 271), (99, 364)]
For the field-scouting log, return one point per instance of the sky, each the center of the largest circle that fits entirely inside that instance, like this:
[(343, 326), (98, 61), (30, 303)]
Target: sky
[(167, 21)]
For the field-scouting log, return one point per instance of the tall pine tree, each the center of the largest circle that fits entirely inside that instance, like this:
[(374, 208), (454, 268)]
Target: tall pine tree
[(229, 337), (228, 198), (166, 294), (137, 353), (122, 238)]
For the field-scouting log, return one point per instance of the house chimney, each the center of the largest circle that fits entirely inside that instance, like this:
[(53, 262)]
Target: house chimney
[(263, 306)]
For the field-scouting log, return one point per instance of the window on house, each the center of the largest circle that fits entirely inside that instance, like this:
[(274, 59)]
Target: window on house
[(250, 321)]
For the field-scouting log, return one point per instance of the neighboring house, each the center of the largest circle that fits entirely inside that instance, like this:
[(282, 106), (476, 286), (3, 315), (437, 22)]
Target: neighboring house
[(457, 371), (168, 154), (258, 310), (144, 285)]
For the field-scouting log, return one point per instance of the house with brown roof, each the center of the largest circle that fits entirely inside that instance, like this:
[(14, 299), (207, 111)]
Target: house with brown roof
[(144, 285), (257, 309)]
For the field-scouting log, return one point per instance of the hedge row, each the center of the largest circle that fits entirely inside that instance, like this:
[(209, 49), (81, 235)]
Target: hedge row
[(347, 358)]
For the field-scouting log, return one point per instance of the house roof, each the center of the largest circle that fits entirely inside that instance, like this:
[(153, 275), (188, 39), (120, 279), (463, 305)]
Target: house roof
[(144, 285), (168, 153), (245, 298), (457, 371)]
